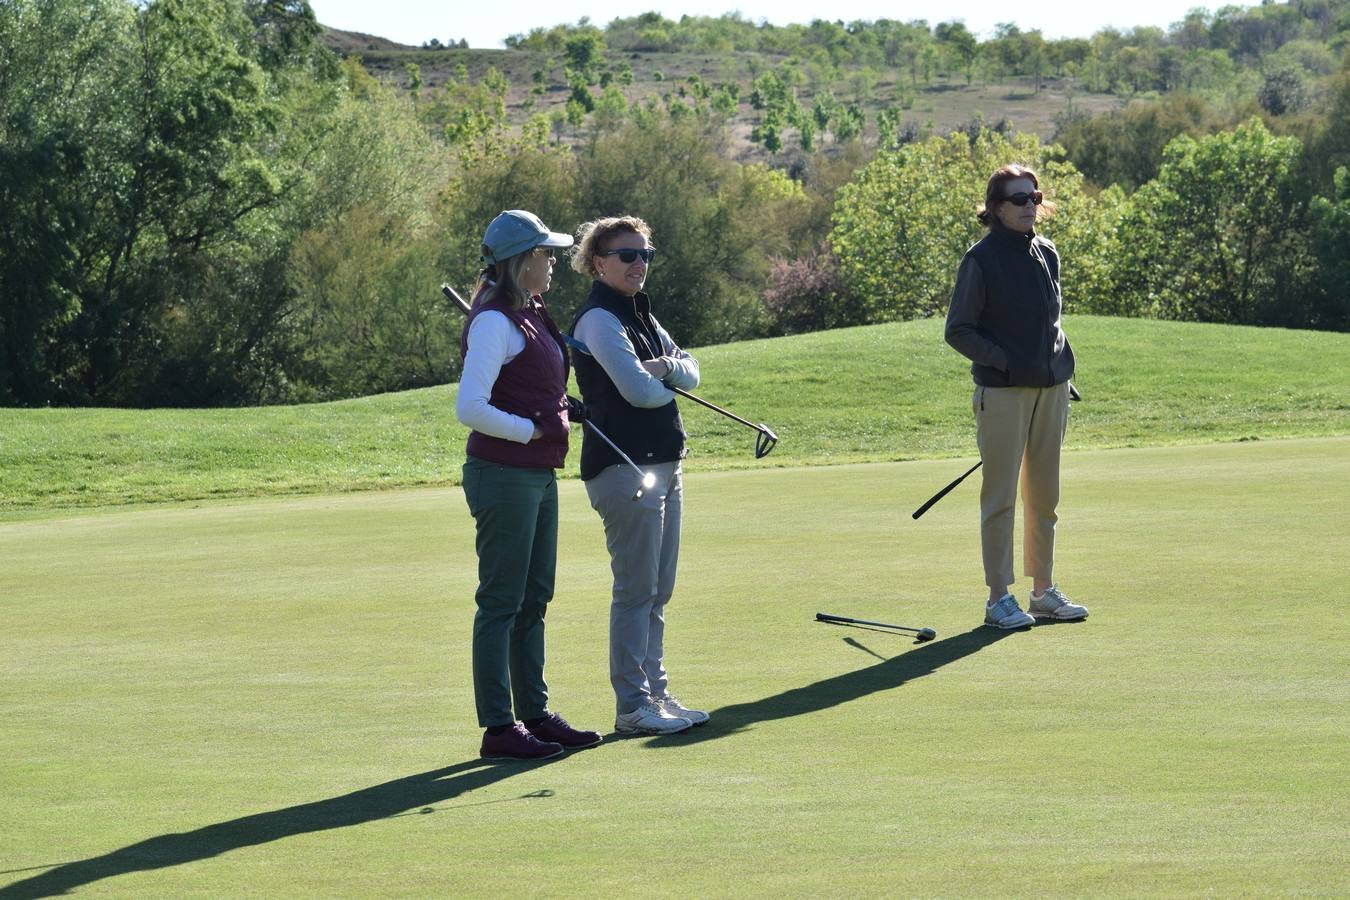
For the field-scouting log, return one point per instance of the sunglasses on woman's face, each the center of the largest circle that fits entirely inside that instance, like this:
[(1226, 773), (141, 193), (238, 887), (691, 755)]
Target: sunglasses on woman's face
[(1022, 198), (628, 254)]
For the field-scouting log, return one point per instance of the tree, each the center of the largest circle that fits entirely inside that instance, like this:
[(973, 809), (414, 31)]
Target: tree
[(962, 43), (1221, 234), (1331, 245)]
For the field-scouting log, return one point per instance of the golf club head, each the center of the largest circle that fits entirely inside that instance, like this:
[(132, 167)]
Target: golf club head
[(925, 634), (765, 442), (648, 482)]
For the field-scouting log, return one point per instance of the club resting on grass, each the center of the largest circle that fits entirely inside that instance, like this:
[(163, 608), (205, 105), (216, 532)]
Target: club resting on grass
[(921, 634)]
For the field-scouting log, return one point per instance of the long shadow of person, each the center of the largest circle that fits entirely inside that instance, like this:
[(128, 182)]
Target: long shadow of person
[(413, 793), (890, 673)]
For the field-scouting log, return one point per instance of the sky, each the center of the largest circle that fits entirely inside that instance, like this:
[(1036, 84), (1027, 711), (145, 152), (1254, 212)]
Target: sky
[(485, 25)]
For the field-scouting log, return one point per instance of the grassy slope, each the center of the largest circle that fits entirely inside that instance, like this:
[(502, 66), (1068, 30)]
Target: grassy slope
[(272, 697), (886, 392)]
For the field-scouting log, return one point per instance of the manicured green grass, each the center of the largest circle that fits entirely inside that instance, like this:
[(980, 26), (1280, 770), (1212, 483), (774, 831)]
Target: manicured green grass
[(272, 697), (886, 392)]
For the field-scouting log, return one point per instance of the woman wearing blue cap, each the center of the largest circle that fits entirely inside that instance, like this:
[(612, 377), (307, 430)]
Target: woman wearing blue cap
[(513, 397)]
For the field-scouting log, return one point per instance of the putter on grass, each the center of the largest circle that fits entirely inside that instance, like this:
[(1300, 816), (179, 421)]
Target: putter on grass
[(648, 479), (1073, 395), (922, 634), (764, 442)]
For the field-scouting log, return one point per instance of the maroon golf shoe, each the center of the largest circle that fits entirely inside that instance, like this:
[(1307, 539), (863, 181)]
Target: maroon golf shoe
[(554, 728), (517, 743)]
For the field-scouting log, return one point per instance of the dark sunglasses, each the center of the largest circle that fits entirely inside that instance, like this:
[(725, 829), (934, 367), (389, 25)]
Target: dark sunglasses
[(628, 254), (1021, 198)]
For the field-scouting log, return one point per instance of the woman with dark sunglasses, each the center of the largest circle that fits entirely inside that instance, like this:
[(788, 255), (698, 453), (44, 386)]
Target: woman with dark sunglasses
[(1005, 318), (623, 377), (512, 396)]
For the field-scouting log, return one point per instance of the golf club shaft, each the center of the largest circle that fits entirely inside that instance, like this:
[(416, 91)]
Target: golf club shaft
[(456, 298), (945, 491), (715, 408), (581, 348), (604, 437), (845, 620)]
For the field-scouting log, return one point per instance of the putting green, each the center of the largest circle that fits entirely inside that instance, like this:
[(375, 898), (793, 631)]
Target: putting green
[(273, 697)]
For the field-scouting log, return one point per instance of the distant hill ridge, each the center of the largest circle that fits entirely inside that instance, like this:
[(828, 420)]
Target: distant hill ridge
[(349, 42)]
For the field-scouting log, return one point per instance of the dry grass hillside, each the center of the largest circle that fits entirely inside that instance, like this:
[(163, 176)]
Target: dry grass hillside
[(939, 107)]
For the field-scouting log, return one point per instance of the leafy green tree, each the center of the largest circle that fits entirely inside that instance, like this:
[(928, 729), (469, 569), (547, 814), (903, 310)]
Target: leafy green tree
[(61, 66), (1125, 146), (1331, 245), (178, 146), (714, 222), (962, 43), (1221, 234)]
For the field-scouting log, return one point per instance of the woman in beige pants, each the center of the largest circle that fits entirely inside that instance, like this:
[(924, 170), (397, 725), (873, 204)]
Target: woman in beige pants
[(1005, 318)]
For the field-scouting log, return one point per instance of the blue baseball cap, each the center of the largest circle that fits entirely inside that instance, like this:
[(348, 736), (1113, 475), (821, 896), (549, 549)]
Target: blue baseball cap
[(515, 231)]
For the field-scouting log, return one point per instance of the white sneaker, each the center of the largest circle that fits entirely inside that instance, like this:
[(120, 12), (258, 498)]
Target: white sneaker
[(671, 704), (650, 718), (1005, 613), (1054, 605)]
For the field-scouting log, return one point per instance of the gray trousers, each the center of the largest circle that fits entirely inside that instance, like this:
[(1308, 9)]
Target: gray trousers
[(643, 537), (1020, 431)]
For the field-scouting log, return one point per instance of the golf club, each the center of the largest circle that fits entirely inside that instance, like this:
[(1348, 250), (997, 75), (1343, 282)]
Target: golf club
[(764, 443), (648, 479), (922, 634), (1073, 395), (945, 491)]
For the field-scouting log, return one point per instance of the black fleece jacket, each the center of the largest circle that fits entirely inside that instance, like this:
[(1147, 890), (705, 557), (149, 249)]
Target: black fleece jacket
[(1005, 312)]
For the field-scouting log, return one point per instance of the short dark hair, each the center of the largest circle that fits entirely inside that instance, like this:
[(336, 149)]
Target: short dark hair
[(995, 192)]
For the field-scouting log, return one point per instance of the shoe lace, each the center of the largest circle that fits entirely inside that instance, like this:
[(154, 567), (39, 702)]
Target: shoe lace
[(1052, 597)]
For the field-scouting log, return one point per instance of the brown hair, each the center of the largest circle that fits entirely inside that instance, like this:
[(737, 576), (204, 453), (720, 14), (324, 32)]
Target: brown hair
[(995, 192), (503, 279), (593, 238)]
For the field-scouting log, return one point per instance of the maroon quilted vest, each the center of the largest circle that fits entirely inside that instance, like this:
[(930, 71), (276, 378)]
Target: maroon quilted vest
[(533, 386)]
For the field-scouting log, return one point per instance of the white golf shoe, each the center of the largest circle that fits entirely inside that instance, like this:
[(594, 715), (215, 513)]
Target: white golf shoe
[(1054, 605), (1006, 614), (671, 704), (650, 718)]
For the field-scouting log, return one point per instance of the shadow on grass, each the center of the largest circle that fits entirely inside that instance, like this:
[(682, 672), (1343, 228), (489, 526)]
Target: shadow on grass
[(414, 794), (883, 676), (404, 796)]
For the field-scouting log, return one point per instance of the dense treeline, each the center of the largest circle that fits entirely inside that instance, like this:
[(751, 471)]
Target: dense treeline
[(200, 205)]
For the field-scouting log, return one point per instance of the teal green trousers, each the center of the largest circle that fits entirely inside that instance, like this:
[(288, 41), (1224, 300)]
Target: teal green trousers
[(516, 511)]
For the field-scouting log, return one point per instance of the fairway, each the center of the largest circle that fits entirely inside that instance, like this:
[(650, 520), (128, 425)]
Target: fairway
[(273, 697)]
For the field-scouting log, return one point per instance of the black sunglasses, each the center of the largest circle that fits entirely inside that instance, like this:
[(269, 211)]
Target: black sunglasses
[(1021, 198), (628, 254)]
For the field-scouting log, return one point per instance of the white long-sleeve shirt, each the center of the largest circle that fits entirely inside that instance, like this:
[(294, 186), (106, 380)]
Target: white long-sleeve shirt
[(494, 341)]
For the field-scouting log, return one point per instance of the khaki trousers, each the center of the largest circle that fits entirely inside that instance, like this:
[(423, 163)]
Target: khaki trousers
[(1020, 430)]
